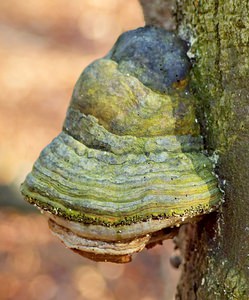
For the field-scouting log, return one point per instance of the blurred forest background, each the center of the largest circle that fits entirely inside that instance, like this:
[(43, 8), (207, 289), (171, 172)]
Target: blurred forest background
[(44, 47)]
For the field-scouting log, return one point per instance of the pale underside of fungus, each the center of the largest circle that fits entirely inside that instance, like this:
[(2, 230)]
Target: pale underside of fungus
[(128, 167)]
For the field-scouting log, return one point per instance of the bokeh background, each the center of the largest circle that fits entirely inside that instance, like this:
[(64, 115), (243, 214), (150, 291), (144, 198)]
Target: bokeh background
[(44, 46)]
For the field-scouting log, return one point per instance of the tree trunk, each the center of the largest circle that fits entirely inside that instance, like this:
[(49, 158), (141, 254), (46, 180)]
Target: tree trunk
[(216, 250)]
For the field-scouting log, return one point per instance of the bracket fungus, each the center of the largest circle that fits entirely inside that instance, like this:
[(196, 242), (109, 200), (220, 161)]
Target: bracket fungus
[(128, 166)]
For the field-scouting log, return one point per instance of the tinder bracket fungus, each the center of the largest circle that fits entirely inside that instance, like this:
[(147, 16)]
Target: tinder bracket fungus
[(128, 166)]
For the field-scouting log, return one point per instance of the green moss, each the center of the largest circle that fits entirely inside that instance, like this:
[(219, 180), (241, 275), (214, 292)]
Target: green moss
[(224, 282)]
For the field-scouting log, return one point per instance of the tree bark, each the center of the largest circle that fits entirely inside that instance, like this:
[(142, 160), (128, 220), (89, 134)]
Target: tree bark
[(216, 250)]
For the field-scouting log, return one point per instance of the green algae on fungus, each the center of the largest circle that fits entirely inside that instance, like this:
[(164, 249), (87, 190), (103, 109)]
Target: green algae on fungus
[(129, 162)]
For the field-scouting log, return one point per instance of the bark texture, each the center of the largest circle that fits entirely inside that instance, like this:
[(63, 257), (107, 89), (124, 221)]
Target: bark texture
[(216, 250), (160, 13)]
